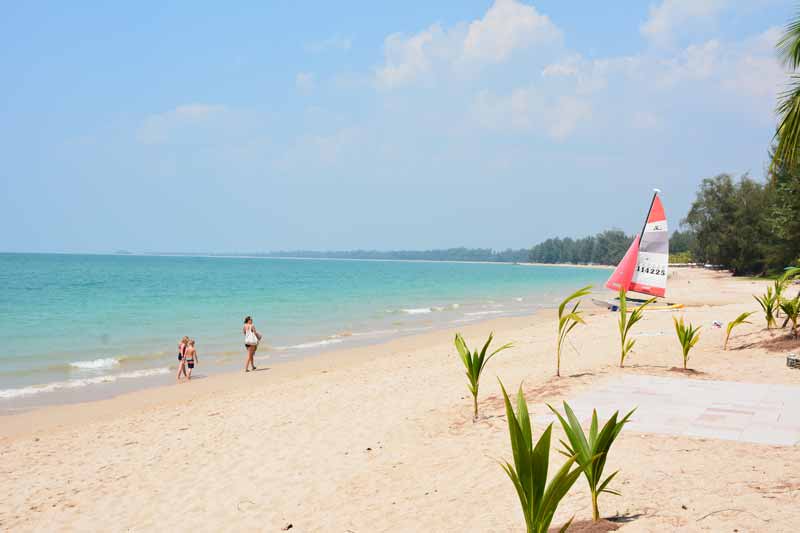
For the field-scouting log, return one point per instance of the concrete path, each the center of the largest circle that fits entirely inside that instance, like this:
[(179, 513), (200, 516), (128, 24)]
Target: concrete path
[(748, 412)]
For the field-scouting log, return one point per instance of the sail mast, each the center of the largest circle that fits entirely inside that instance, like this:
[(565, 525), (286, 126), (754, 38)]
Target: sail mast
[(652, 260)]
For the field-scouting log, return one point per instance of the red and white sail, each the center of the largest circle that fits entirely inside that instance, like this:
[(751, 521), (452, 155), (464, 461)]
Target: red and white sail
[(644, 267), (623, 274)]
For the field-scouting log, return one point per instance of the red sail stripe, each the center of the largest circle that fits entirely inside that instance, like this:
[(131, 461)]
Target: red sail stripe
[(647, 289), (621, 277), (657, 211)]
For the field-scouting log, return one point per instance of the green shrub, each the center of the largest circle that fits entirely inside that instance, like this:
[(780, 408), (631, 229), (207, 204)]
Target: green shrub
[(538, 498)]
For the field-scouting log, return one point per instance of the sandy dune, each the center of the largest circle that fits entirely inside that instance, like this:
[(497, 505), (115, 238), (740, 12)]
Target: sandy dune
[(381, 438)]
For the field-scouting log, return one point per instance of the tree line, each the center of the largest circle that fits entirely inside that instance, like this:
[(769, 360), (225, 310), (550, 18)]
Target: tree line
[(738, 223), (446, 254), (748, 226)]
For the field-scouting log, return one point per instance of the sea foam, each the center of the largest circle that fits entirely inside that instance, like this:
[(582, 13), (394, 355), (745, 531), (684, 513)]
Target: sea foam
[(95, 364), (78, 383), (417, 311)]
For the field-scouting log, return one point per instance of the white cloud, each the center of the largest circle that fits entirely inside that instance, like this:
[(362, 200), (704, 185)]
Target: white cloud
[(672, 16), (408, 58), (696, 62), (508, 26), (159, 128), (756, 72), (592, 75), (529, 109), (304, 81)]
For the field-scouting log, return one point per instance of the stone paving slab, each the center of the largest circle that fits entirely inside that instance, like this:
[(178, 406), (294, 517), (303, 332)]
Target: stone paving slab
[(747, 412)]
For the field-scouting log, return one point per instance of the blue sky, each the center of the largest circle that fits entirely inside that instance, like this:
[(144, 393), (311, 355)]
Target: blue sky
[(284, 125)]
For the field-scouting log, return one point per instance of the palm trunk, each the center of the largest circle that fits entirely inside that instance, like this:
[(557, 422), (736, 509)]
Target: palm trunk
[(595, 510), (474, 407)]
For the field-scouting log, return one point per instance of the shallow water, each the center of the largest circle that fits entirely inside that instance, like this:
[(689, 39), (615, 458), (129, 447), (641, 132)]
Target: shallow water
[(70, 322)]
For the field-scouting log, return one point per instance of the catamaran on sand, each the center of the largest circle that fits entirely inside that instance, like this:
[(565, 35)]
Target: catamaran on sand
[(644, 267)]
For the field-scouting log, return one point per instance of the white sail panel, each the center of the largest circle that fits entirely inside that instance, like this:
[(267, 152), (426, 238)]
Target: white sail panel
[(650, 274)]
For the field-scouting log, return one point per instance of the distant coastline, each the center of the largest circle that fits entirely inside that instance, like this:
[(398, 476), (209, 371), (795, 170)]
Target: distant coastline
[(399, 259)]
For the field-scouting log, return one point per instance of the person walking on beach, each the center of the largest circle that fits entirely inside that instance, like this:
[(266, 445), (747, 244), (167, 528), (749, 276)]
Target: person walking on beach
[(190, 358), (251, 338), (181, 352)]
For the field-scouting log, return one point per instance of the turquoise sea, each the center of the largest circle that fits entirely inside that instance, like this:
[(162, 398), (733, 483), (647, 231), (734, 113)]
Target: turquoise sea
[(72, 325)]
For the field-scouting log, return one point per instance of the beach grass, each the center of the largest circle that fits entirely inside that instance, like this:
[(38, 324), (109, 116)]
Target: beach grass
[(739, 320), (688, 335), (568, 321), (591, 452), (769, 303), (474, 363), (626, 322), (538, 498), (792, 309)]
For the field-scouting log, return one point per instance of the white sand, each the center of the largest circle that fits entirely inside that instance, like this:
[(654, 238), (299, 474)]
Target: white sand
[(381, 438)]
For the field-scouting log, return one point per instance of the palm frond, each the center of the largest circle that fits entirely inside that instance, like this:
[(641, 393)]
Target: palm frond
[(568, 321), (688, 335), (788, 45), (591, 452), (626, 322), (739, 320), (538, 497), (474, 363)]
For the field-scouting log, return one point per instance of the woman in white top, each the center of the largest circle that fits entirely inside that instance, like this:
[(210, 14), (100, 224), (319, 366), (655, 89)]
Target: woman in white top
[(251, 338)]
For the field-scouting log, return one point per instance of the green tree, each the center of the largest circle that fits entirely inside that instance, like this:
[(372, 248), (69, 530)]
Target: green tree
[(681, 241), (783, 246), (728, 220)]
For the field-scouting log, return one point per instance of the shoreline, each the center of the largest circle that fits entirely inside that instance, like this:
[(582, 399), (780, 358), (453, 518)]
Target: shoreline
[(158, 392), (272, 358), (76, 377), (152, 379), (381, 437), (166, 393)]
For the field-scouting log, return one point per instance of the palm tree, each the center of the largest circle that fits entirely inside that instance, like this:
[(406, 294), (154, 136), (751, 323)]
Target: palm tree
[(788, 131)]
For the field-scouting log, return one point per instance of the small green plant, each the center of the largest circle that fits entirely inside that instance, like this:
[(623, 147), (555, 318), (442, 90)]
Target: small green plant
[(626, 323), (591, 453), (474, 363), (538, 498), (687, 336), (790, 272), (768, 303), (567, 321), (778, 286), (781, 284), (741, 319), (792, 309)]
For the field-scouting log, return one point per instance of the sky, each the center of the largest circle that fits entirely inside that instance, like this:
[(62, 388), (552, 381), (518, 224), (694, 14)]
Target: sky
[(256, 126)]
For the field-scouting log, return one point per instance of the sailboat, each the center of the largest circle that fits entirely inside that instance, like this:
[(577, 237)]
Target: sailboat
[(644, 267)]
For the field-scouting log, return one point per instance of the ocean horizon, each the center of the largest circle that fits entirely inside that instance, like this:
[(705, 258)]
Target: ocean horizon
[(77, 326)]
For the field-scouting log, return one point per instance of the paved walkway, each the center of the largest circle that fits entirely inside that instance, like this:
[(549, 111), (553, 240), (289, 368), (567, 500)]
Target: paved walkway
[(748, 412)]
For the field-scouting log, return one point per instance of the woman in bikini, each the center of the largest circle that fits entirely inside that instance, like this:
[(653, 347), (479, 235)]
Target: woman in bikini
[(251, 338), (181, 351)]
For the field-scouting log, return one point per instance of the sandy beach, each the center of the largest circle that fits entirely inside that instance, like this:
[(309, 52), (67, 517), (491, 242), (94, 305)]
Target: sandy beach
[(380, 438)]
